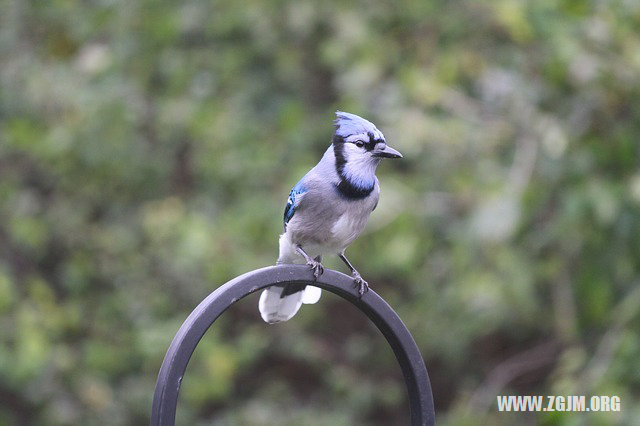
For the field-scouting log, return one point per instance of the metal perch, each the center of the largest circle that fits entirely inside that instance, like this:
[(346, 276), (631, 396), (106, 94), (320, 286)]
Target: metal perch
[(373, 306)]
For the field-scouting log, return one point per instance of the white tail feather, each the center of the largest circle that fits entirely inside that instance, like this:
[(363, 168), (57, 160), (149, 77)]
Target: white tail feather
[(311, 295), (274, 308)]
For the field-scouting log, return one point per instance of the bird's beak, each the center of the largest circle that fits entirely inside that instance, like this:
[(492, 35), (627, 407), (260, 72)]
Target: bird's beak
[(386, 152)]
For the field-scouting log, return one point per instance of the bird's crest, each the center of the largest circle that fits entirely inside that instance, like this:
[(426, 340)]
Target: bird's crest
[(348, 124)]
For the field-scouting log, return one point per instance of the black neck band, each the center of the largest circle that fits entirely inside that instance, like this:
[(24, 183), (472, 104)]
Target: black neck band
[(349, 190), (345, 187)]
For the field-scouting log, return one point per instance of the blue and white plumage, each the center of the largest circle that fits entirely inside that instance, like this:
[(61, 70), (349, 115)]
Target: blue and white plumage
[(327, 210)]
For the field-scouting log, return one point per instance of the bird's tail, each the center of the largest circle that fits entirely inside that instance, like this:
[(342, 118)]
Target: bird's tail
[(280, 303)]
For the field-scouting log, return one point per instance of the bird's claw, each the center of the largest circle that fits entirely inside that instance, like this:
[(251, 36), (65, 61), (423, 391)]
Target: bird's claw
[(316, 267), (362, 285)]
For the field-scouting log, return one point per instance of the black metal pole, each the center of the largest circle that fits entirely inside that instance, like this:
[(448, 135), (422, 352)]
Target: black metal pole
[(383, 316)]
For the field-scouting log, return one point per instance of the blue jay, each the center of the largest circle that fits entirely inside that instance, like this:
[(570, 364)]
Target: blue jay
[(327, 210)]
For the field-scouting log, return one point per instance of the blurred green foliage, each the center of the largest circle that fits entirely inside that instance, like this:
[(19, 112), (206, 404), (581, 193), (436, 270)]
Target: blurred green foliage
[(147, 148)]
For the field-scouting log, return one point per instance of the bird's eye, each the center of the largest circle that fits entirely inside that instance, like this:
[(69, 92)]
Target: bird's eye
[(359, 144)]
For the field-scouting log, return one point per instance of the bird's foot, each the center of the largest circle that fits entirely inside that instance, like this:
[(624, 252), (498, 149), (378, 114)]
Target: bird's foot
[(316, 267), (362, 285)]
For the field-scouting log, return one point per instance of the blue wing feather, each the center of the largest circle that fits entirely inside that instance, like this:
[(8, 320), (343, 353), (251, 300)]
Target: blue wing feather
[(295, 196)]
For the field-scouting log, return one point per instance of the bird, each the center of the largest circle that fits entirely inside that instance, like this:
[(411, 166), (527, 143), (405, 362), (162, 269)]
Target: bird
[(327, 210)]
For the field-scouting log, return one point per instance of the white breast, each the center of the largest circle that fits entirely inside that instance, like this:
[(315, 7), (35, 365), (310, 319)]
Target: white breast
[(347, 228)]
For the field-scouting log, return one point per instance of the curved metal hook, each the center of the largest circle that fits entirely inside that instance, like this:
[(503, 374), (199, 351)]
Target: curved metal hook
[(175, 362)]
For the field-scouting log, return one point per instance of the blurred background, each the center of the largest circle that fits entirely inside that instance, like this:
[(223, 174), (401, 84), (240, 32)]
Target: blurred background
[(147, 149)]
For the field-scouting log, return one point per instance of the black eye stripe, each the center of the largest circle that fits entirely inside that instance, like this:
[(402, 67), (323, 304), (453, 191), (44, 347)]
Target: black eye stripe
[(338, 141), (366, 145), (370, 145), (373, 141)]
